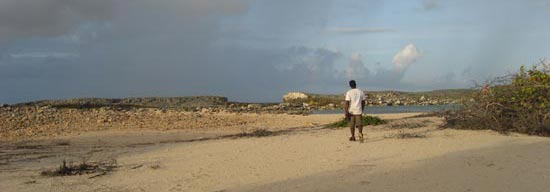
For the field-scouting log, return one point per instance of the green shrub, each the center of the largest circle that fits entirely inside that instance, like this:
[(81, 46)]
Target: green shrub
[(517, 103), (367, 120)]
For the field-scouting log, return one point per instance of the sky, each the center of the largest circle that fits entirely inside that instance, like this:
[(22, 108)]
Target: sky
[(258, 50)]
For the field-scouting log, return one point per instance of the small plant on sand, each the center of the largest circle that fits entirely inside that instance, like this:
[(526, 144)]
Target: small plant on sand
[(66, 169), (404, 135), (256, 133), (367, 120), (515, 103), (410, 123), (406, 125)]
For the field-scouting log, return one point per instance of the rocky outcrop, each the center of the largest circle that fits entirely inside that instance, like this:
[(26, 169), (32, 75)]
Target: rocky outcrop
[(276, 108), (294, 96), (155, 102)]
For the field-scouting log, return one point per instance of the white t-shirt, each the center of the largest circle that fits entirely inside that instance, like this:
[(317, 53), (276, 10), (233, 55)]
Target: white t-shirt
[(355, 96)]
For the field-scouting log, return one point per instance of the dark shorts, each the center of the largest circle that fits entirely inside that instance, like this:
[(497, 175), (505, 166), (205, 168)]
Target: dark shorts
[(355, 121)]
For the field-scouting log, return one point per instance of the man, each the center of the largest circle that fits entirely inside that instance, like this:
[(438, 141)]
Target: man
[(355, 104)]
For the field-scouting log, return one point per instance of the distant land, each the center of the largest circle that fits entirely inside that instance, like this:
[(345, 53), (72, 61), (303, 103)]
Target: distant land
[(310, 100), (386, 98)]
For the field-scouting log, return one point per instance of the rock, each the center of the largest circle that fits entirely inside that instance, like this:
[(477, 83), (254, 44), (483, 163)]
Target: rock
[(284, 104), (3, 105), (398, 102), (294, 96), (253, 106), (205, 110)]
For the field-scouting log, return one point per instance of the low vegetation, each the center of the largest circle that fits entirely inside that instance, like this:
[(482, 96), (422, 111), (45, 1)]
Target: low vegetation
[(256, 133), (406, 135), (515, 103), (410, 125), (98, 168), (367, 120)]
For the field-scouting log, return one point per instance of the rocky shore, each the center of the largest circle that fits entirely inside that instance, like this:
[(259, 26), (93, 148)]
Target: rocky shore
[(27, 122), (54, 118), (60, 117)]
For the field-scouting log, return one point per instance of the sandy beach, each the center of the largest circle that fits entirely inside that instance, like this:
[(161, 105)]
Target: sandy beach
[(259, 96), (301, 156)]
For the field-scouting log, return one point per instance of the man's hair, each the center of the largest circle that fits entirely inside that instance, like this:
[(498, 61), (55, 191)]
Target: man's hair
[(352, 84)]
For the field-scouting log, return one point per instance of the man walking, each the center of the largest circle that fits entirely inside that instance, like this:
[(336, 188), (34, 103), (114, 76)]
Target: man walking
[(355, 104)]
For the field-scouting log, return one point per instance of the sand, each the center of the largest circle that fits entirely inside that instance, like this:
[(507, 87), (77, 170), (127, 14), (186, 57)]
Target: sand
[(305, 158)]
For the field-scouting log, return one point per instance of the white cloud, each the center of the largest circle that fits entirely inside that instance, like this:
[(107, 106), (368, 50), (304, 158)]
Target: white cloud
[(356, 68), (355, 30), (404, 58)]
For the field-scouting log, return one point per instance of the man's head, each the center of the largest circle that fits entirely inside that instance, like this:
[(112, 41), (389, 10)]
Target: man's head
[(352, 84)]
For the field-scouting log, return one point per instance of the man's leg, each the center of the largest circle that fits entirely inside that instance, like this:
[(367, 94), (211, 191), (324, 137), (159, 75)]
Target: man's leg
[(359, 123), (352, 127)]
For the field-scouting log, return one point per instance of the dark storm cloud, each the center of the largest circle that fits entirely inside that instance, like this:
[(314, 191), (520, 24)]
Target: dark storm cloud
[(138, 48), (29, 18), (161, 48)]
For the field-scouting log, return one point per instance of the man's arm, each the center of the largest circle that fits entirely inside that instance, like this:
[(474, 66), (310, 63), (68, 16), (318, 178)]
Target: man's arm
[(363, 101), (346, 107), (347, 100)]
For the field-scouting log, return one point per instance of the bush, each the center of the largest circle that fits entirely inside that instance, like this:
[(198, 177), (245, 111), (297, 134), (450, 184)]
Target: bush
[(367, 120), (516, 103)]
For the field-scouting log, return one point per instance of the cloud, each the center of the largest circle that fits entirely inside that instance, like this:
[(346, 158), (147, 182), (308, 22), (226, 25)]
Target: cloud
[(51, 18), (133, 48), (124, 47), (404, 58), (43, 55), (384, 77), (358, 30), (312, 60), (430, 4), (29, 18), (356, 69)]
